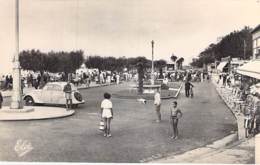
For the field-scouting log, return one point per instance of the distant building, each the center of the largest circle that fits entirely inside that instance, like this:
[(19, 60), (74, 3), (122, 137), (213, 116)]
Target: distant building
[(171, 66), (256, 42), (252, 69)]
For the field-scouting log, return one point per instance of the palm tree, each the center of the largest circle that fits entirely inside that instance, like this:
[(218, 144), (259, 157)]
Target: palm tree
[(179, 62), (140, 70), (173, 58), (160, 64)]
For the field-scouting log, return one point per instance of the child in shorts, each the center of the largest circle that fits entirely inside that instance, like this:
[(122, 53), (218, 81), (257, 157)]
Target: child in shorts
[(176, 114)]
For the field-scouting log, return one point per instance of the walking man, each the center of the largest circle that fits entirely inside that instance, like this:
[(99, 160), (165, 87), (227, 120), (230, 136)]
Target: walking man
[(67, 89), (157, 103), (188, 85)]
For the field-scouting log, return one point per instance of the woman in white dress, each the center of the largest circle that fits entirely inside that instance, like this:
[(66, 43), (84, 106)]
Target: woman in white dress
[(107, 113)]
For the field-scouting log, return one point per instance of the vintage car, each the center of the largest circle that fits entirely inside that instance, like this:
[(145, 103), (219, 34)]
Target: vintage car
[(52, 93)]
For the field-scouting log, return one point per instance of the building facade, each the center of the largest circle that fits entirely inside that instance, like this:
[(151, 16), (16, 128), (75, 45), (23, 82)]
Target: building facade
[(256, 42)]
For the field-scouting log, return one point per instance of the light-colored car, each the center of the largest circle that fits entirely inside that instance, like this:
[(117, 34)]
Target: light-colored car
[(52, 93)]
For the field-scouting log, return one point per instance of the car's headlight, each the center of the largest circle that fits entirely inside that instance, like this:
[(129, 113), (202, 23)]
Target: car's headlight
[(78, 96)]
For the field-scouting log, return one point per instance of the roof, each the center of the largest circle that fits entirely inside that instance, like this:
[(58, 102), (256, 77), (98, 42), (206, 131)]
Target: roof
[(257, 28), (250, 69), (222, 65)]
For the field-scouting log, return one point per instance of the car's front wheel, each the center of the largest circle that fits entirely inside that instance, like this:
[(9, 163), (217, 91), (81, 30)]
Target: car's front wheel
[(29, 100)]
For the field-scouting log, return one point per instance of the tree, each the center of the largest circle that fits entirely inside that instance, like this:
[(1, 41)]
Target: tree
[(173, 58), (94, 62), (33, 60), (160, 64), (237, 44), (179, 62), (54, 62), (140, 71)]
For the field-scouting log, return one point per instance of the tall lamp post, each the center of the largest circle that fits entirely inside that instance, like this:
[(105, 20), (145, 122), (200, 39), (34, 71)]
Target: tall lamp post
[(152, 75), (17, 91)]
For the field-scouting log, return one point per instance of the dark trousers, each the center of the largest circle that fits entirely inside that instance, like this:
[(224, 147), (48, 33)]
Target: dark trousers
[(187, 92)]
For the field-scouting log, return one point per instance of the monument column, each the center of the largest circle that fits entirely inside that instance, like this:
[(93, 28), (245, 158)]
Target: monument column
[(17, 91)]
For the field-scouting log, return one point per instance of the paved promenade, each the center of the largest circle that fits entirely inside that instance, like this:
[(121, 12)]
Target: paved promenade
[(238, 152), (136, 137)]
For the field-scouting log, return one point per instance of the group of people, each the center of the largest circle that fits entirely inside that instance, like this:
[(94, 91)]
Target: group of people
[(107, 114), (6, 82), (175, 113)]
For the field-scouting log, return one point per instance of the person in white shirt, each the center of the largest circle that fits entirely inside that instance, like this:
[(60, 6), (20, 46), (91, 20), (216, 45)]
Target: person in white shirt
[(117, 79), (107, 113), (157, 103)]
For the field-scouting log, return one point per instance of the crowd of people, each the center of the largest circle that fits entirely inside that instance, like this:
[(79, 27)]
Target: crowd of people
[(6, 82), (38, 80)]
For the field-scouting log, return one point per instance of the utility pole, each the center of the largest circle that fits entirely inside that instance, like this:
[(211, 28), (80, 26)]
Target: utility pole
[(244, 49), (152, 75)]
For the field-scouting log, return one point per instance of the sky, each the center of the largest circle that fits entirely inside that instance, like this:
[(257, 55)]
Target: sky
[(122, 27)]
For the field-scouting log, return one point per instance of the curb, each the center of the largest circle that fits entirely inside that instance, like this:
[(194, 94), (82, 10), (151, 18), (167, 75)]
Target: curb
[(224, 141), (99, 86), (151, 98), (189, 156), (35, 113)]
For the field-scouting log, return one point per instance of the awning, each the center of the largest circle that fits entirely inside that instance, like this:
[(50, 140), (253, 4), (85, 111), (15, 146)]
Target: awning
[(251, 69), (222, 65)]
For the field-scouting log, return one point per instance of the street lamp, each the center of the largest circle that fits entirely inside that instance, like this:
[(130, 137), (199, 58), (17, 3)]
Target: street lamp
[(17, 91), (152, 74)]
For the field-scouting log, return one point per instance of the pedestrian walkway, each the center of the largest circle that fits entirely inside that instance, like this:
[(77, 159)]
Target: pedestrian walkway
[(241, 152), (205, 120)]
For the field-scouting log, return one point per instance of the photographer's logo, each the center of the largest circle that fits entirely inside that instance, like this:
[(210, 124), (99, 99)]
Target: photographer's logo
[(22, 147)]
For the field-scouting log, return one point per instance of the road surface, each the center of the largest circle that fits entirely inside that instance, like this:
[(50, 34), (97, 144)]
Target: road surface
[(136, 137)]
